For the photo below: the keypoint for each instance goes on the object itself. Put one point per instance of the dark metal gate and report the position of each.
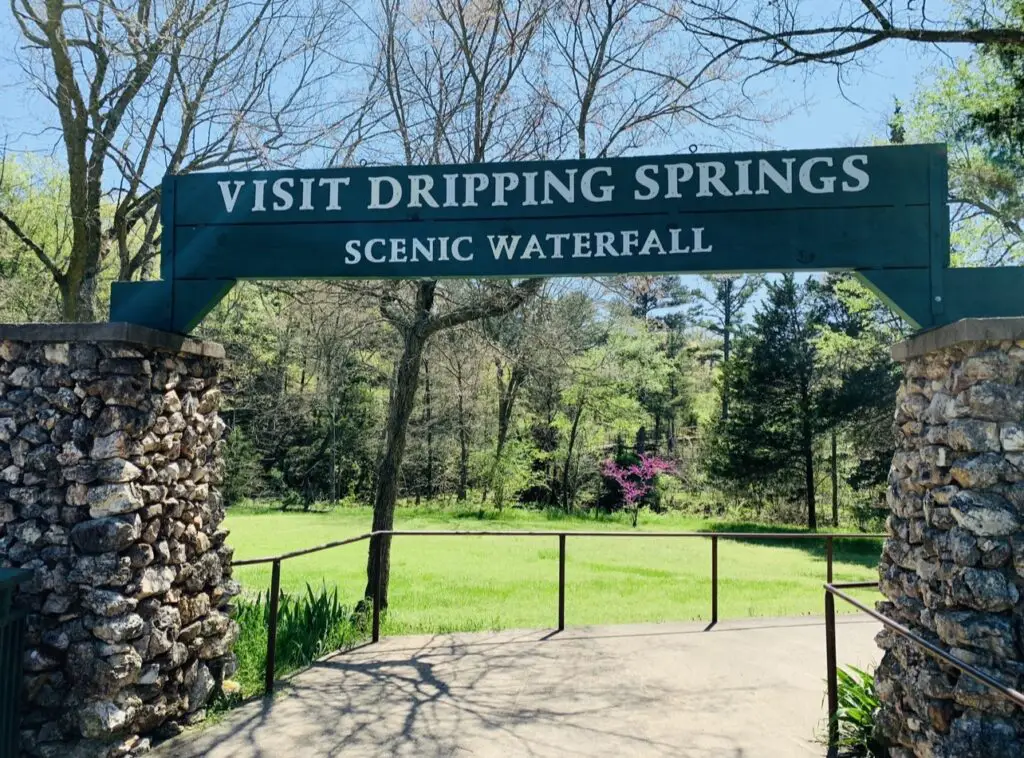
(11, 635)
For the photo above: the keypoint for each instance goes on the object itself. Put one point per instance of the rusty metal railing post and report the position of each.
(828, 559)
(275, 594)
(378, 586)
(561, 582)
(714, 579)
(831, 674)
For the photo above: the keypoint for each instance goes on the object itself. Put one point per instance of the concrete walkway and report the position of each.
(744, 689)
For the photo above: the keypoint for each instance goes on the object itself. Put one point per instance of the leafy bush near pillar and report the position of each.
(858, 706)
(309, 626)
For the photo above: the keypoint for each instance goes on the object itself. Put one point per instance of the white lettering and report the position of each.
(282, 193)
(557, 238)
(352, 254)
(605, 245)
(579, 238)
(450, 194)
(368, 250)
(698, 241)
(533, 246)
(455, 249)
(652, 244)
(674, 180)
(419, 250)
(307, 194)
(675, 231)
(530, 177)
(474, 183)
(711, 174)
(333, 183)
(851, 170)
(828, 183)
(630, 239)
(650, 184)
(744, 175)
(586, 185)
(230, 198)
(419, 189)
(767, 170)
(552, 182)
(398, 250)
(375, 200)
(504, 245)
(505, 182)
(257, 204)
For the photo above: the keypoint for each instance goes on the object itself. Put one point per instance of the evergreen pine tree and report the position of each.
(775, 413)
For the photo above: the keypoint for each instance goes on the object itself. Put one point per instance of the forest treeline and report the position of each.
(524, 408)
(766, 396)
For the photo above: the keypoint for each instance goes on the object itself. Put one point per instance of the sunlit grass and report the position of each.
(445, 584)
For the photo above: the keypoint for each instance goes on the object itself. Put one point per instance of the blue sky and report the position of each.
(823, 113)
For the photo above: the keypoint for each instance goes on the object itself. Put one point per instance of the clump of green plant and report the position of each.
(309, 626)
(858, 706)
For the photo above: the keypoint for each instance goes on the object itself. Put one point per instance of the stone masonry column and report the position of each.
(109, 454)
(952, 568)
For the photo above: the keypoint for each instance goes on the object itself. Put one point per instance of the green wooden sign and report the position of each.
(878, 211)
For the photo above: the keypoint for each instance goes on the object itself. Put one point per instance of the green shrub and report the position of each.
(308, 627)
(858, 705)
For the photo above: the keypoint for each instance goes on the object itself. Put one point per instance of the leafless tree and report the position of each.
(792, 32)
(472, 81)
(623, 75)
(453, 92)
(144, 87)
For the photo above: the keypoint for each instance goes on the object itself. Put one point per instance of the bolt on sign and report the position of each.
(879, 211)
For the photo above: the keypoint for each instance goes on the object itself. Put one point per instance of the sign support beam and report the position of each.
(880, 212)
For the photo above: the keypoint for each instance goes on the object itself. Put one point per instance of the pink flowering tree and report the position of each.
(636, 480)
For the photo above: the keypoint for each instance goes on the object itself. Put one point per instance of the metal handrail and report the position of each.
(275, 561)
(835, 589)
(548, 533)
(306, 551)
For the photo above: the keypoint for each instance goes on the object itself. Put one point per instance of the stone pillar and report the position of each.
(952, 568)
(109, 455)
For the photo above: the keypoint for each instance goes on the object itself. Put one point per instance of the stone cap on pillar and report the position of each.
(111, 332)
(966, 330)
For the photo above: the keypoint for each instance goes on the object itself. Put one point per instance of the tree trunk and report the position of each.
(415, 334)
(463, 438)
(82, 277)
(835, 482)
(726, 349)
(334, 451)
(507, 392)
(428, 422)
(808, 453)
(407, 375)
(568, 455)
(79, 286)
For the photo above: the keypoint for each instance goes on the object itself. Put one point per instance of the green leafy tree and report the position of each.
(603, 402)
(776, 409)
(986, 175)
(858, 383)
(999, 113)
(243, 469)
(33, 194)
(720, 310)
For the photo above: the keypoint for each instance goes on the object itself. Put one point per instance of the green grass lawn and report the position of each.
(443, 584)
